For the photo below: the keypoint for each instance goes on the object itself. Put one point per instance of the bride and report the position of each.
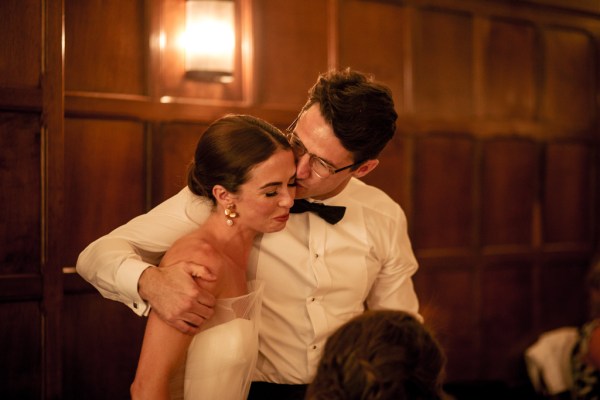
(245, 168)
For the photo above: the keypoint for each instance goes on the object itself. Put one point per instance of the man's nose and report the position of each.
(303, 169)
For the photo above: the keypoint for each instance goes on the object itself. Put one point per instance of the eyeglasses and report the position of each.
(320, 167)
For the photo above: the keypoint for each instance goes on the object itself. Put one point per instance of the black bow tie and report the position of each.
(331, 214)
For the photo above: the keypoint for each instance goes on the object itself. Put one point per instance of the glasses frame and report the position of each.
(297, 143)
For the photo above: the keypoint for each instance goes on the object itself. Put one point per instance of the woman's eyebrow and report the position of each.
(266, 185)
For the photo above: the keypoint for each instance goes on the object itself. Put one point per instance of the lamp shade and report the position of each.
(209, 40)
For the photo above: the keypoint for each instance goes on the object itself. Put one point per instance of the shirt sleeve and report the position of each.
(393, 287)
(114, 263)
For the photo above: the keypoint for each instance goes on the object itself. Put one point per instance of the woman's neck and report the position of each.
(235, 241)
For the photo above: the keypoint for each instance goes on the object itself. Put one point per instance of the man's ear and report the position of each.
(365, 168)
(222, 195)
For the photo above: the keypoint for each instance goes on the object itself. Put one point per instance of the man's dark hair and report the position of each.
(360, 111)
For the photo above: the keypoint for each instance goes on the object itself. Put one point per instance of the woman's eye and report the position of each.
(271, 194)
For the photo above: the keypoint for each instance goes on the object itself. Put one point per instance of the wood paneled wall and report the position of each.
(496, 160)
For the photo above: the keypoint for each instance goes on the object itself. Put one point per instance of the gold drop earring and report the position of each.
(230, 214)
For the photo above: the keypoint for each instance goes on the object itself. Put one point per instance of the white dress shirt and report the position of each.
(317, 275)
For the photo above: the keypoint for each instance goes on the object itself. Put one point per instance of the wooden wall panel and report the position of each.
(509, 190)
(562, 300)
(105, 46)
(101, 344)
(391, 174)
(567, 193)
(20, 196)
(570, 72)
(21, 33)
(373, 39)
(443, 192)
(173, 148)
(505, 288)
(509, 66)
(451, 313)
(21, 353)
(283, 72)
(443, 64)
(104, 179)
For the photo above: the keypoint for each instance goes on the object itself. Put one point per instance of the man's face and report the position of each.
(319, 140)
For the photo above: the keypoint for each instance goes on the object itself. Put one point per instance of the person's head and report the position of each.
(246, 166)
(380, 355)
(344, 125)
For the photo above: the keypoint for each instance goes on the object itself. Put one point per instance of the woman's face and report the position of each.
(263, 203)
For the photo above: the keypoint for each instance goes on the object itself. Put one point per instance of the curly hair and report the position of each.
(380, 355)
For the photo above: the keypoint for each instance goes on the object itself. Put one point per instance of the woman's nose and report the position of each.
(287, 200)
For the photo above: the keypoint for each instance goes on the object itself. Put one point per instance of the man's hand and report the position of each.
(176, 297)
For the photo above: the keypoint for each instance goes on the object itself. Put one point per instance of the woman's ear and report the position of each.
(365, 168)
(222, 195)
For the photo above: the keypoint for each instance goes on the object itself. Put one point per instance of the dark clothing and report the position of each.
(274, 391)
(586, 379)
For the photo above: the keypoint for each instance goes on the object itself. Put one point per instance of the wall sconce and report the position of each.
(209, 40)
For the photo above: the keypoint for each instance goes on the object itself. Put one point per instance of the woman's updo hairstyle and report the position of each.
(227, 151)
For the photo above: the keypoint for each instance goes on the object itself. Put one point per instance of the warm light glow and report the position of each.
(162, 40)
(209, 38)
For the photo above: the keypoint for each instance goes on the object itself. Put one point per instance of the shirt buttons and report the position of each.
(314, 347)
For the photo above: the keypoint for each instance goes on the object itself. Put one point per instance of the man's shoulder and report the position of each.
(189, 205)
(370, 196)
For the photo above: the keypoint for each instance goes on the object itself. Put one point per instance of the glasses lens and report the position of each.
(320, 167)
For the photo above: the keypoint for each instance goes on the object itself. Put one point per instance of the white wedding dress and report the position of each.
(221, 358)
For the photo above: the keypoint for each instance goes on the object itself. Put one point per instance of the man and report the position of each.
(318, 274)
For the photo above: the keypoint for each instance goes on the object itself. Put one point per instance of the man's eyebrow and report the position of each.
(316, 155)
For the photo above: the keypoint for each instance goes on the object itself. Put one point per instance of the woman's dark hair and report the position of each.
(360, 111)
(227, 151)
(380, 355)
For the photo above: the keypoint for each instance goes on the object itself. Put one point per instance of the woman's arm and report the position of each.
(164, 347)
(163, 352)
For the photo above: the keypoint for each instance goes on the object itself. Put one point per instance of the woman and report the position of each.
(380, 355)
(246, 169)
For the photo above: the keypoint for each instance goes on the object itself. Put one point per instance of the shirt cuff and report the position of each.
(127, 279)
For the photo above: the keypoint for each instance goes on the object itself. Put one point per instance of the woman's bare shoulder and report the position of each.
(194, 247)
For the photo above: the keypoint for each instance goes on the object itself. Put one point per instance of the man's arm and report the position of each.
(121, 264)
(393, 288)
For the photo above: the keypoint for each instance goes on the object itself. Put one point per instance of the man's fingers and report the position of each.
(184, 327)
(191, 322)
(204, 311)
(200, 271)
(205, 303)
